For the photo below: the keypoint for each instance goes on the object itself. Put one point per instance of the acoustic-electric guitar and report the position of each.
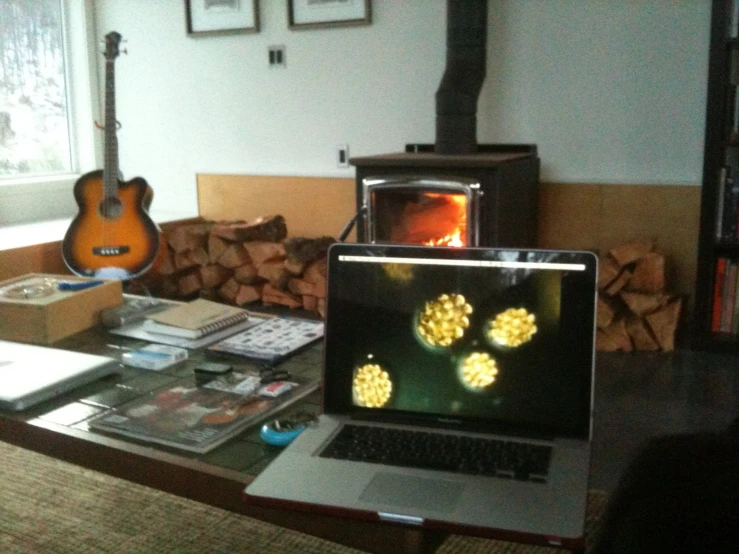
(112, 236)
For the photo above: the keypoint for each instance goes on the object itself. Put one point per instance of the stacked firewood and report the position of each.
(243, 262)
(635, 311)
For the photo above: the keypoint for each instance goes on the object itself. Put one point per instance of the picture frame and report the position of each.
(316, 14)
(221, 17)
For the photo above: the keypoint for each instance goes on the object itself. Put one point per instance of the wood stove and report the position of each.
(488, 198)
(454, 191)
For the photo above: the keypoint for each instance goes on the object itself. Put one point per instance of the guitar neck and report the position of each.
(110, 166)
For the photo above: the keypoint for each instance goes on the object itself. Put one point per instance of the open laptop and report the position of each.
(471, 344)
(31, 374)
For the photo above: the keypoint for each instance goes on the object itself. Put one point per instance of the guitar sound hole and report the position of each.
(110, 208)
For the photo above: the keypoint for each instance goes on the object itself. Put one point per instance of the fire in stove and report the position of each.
(422, 211)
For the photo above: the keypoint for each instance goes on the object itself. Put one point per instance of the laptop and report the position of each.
(434, 353)
(30, 374)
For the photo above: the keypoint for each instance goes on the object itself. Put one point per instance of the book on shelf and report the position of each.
(727, 307)
(727, 214)
(195, 319)
(718, 292)
(198, 417)
(271, 340)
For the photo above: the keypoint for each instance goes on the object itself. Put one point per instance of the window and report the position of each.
(47, 51)
(34, 127)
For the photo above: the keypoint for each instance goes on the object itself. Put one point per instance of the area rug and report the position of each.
(49, 506)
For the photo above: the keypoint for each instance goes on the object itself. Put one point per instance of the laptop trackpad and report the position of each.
(412, 492)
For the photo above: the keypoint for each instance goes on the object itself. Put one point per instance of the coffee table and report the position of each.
(59, 428)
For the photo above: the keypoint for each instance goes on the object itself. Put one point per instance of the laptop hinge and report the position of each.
(400, 518)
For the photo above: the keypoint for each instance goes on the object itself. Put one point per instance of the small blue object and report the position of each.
(77, 285)
(282, 437)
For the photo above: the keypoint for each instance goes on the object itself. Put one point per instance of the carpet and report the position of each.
(50, 506)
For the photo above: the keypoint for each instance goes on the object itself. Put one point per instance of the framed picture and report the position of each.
(313, 14)
(221, 17)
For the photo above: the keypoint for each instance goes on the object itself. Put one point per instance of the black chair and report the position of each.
(679, 495)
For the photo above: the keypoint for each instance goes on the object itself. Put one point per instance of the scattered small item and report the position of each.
(154, 356)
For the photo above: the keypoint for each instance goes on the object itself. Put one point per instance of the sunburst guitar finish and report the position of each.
(112, 235)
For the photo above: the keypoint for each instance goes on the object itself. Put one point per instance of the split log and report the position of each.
(649, 273)
(166, 264)
(189, 283)
(640, 335)
(199, 255)
(235, 255)
(605, 313)
(247, 294)
(216, 247)
(301, 250)
(274, 271)
(664, 323)
(261, 252)
(619, 283)
(310, 303)
(631, 251)
(229, 289)
(300, 287)
(268, 228)
(189, 236)
(608, 270)
(182, 260)
(642, 304)
(614, 337)
(273, 295)
(213, 275)
(247, 274)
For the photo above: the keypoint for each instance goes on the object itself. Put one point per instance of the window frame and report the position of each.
(19, 196)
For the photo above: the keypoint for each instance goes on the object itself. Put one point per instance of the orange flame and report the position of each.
(455, 237)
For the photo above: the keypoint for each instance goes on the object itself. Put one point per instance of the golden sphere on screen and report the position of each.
(372, 386)
(398, 272)
(444, 320)
(478, 370)
(513, 327)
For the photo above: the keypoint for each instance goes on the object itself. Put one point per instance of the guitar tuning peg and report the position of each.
(124, 51)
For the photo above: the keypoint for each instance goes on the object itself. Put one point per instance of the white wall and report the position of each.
(610, 91)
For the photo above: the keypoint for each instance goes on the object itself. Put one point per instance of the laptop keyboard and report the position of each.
(436, 451)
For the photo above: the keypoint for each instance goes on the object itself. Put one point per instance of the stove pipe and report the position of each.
(456, 97)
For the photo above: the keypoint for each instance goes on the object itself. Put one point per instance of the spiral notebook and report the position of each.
(195, 319)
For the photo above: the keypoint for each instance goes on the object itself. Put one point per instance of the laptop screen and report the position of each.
(472, 338)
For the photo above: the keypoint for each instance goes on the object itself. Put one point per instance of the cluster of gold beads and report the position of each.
(372, 386)
(512, 327)
(402, 273)
(478, 370)
(444, 320)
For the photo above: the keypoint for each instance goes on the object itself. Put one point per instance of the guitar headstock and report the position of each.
(112, 42)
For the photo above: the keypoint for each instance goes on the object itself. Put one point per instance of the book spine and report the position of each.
(727, 310)
(720, 203)
(718, 291)
(735, 316)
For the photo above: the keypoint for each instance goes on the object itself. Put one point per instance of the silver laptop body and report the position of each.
(428, 321)
(30, 374)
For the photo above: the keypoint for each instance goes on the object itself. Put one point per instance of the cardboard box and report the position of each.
(33, 309)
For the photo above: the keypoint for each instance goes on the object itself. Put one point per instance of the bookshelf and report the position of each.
(717, 281)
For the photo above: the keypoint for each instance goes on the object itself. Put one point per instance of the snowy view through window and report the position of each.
(34, 132)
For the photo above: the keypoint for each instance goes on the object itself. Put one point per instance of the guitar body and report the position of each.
(111, 236)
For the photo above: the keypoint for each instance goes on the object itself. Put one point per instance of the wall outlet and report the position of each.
(276, 55)
(342, 155)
